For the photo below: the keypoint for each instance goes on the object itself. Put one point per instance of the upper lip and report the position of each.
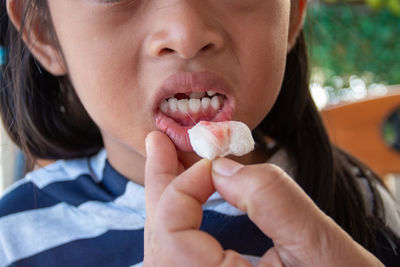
(186, 82)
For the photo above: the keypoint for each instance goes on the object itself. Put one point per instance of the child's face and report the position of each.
(118, 54)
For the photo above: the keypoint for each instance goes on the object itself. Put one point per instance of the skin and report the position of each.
(272, 200)
(247, 44)
(116, 55)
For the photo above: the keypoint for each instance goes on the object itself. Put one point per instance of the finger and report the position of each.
(273, 201)
(181, 203)
(270, 259)
(302, 233)
(197, 248)
(178, 219)
(161, 167)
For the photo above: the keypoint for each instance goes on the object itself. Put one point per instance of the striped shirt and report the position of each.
(84, 213)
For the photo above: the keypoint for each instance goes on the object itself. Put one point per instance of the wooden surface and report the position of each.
(357, 128)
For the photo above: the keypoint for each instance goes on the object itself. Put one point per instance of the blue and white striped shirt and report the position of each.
(84, 213)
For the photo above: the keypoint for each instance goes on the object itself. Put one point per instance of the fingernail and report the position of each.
(225, 166)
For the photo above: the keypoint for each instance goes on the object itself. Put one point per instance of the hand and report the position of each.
(303, 235)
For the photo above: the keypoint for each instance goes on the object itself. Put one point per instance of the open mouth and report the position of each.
(186, 98)
(180, 112)
(187, 109)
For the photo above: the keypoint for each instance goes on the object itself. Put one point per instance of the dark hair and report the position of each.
(44, 117)
(41, 113)
(326, 173)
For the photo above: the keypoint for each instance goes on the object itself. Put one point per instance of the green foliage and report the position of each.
(392, 5)
(353, 39)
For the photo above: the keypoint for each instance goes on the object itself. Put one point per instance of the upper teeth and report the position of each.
(211, 93)
(196, 103)
(200, 95)
(197, 95)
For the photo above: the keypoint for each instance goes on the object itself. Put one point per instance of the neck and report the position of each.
(126, 161)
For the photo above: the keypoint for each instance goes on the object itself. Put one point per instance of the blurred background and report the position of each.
(354, 49)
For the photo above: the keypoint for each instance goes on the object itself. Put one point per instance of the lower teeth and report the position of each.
(192, 105)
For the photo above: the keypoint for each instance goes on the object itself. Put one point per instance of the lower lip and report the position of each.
(179, 134)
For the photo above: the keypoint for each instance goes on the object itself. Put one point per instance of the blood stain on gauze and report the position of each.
(219, 139)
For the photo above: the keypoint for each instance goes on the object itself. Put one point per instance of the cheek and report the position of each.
(100, 87)
(108, 88)
(100, 69)
(263, 58)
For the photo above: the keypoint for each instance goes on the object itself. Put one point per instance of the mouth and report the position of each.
(187, 98)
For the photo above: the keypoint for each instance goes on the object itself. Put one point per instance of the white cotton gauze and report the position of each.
(218, 139)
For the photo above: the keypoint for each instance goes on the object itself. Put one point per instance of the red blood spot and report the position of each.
(219, 134)
(216, 129)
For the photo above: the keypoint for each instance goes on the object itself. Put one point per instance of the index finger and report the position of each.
(162, 166)
(178, 219)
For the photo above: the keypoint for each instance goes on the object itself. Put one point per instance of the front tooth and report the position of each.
(215, 103)
(194, 105)
(164, 106)
(173, 104)
(211, 93)
(183, 105)
(197, 95)
(205, 103)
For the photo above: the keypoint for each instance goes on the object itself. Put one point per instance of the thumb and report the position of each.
(161, 167)
(270, 259)
(272, 200)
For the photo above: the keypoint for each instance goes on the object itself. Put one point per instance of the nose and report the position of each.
(183, 29)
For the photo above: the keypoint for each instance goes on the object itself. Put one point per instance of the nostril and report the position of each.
(166, 51)
(208, 47)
